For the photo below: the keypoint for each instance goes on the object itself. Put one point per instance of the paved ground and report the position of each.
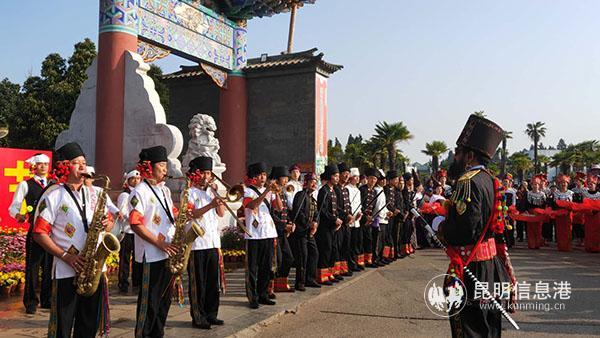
(383, 302)
(389, 302)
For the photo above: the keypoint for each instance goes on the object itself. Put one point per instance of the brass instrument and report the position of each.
(290, 189)
(183, 239)
(88, 279)
(234, 194)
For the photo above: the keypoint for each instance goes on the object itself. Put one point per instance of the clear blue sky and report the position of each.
(426, 63)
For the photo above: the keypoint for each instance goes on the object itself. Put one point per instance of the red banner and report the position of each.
(13, 170)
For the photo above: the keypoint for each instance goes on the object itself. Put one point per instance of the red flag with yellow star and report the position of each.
(13, 170)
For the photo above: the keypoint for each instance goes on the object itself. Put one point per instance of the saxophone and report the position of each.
(177, 263)
(88, 279)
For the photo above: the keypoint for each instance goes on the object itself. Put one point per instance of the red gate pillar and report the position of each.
(233, 110)
(117, 34)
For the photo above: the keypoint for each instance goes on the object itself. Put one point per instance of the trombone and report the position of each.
(234, 194)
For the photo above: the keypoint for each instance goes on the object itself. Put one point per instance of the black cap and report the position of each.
(407, 176)
(201, 163)
(256, 169)
(342, 166)
(391, 174)
(371, 172)
(154, 154)
(69, 151)
(323, 176)
(330, 170)
(481, 135)
(279, 171)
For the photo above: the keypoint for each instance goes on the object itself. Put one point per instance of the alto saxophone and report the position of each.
(88, 279)
(177, 263)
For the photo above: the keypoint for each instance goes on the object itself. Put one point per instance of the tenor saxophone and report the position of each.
(88, 279)
(183, 239)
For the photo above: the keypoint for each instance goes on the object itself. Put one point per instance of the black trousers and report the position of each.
(125, 255)
(335, 246)
(548, 231)
(285, 256)
(521, 229)
(37, 258)
(306, 255)
(396, 233)
(72, 314)
(367, 238)
(203, 284)
(376, 241)
(324, 238)
(345, 253)
(356, 245)
(259, 269)
(154, 299)
(407, 230)
(473, 321)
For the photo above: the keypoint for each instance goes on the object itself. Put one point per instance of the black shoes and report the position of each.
(312, 285)
(204, 324)
(338, 277)
(253, 305)
(326, 283)
(215, 321)
(300, 288)
(272, 296)
(266, 301)
(30, 310)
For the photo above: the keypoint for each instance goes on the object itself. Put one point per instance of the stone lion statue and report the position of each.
(202, 140)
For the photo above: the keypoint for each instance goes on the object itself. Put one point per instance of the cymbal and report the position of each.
(3, 132)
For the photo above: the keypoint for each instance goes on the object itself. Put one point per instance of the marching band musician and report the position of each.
(285, 227)
(61, 228)
(302, 240)
(368, 195)
(152, 220)
(261, 243)
(204, 267)
(132, 179)
(356, 261)
(342, 236)
(329, 223)
(36, 258)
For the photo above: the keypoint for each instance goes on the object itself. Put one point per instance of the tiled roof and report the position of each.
(275, 61)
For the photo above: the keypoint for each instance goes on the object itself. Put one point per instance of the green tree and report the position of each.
(45, 103)
(562, 145)
(504, 155)
(9, 101)
(435, 149)
(536, 131)
(387, 136)
(162, 89)
(335, 153)
(520, 164)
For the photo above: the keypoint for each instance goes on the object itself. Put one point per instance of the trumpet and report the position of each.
(234, 194)
(290, 189)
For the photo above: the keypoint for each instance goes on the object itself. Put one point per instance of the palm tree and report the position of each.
(435, 149)
(536, 131)
(388, 136)
(507, 135)
(519, 163)
(545, 160)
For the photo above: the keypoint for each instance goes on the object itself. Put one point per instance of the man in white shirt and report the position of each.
(355, 230)
(204, 269)
(132, 179)
(63, 218)
(295, 182)
(36, 258)
(152, 220)
(260, 244)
